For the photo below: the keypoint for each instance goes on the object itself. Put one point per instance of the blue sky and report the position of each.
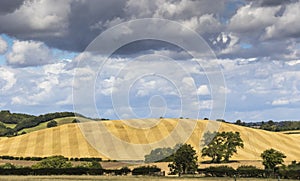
(47, 64)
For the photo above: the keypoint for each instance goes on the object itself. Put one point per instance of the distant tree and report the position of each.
(206, 119)
(223, 146)
(75, 121)
(271, 158)
(53, 162)
(51, 123)
(125, 170)
(158, 154)
(185, 160)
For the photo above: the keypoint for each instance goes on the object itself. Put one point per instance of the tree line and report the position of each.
(220, 147)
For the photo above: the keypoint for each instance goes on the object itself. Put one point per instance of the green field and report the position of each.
(9, 125)
(60, 121)
(126, 178)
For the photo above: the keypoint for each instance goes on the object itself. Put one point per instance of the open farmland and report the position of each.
(69, 141)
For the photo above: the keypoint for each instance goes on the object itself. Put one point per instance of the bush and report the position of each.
(146, 170)
(291, 171)
(249, 171)
(221, 171)
(75, 121)
(51, 124)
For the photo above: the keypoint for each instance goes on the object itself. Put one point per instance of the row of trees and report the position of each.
(220, 147)
(185, 161)
(272, 125)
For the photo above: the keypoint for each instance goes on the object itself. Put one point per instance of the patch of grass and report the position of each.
(60, 121)
(9, 125)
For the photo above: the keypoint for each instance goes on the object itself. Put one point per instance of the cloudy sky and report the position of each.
(48, 61)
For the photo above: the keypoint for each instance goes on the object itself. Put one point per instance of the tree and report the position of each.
(185, 160)
(51, 124)
(75, 121)
(53, 162)
(158, 154)
(271, 158)
(223, 146)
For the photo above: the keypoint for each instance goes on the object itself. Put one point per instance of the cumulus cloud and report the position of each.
(29, 53)
(37, 18)
(286, 25)
(252, 19)
(7, 79)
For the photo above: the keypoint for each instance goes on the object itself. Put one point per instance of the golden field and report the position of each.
(70, 140)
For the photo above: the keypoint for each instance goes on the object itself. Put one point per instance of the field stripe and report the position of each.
(30, 144)
(5, 146)
(39, 146)
(56, 141)
(20, 146)
(73, 142)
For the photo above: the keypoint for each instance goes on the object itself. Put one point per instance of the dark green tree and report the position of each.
(185, 160)
(223, 146)
(271, 158)
(51, 124)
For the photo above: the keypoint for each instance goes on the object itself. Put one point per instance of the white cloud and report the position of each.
(251, 19)
(203, 90)
(203, 24)
(3, 45)
(280, 102)
(7, 79)
(29, 53)
(287, 24)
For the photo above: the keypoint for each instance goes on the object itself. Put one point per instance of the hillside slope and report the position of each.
(70, 140)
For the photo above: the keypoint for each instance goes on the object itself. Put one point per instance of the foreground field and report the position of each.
(68, 139)
(125, 178)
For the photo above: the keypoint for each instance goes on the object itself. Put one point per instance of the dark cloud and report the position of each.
(73, 25)
(271, 2)
(72, 29)
(8, 6)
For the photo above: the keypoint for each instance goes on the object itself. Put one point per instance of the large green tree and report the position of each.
(185, 160)
(271, 158)
(223, 146)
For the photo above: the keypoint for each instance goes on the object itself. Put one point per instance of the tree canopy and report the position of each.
(271, 158)
(185, 160)
(223, 146)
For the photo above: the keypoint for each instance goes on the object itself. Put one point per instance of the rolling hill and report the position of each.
(76, 140)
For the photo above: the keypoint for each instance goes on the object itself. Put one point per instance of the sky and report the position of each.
(235, 59)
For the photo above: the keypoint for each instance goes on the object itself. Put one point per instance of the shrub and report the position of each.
(51, 124)
(249, 171)
(221, 171)
(146, 170)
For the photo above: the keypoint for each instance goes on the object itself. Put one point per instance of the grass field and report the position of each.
(123, 178)
(9, 125)
(60, 121)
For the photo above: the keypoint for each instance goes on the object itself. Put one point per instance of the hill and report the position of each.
(12, 124)
(70, 140)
